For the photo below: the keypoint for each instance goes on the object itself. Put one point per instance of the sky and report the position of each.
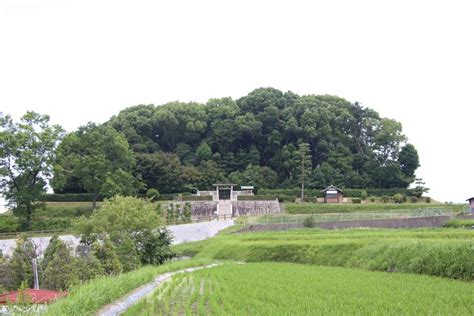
(413, 61)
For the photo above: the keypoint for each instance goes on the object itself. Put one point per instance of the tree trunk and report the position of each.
(94, 200)
(29, 212)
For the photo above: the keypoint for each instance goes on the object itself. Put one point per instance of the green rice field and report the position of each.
(294, 289)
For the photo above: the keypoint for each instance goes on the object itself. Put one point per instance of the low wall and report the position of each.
(432, 221)
(251, 208)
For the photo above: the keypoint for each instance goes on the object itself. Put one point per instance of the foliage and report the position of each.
(9, 223)
(179, 212)
(356, 201)
(95, 159)
(197, 198)
(20, 263)
(304, 165)
(398, 198)
(59, 267)
(293, 289)
(308, 208)
(363, 195)
(88, 298)
(256, 198)
(70, 197)
(125, 231)
(153, 194)
(428, 199)
(195, 144)
(420, 188)
(308, 222)
(460, 223)
(26, 159)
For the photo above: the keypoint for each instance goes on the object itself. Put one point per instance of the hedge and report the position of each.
(356, 193)
(70, 197)
(197, 198)
(256, 198)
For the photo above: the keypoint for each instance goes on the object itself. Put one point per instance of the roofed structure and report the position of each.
(332, 194)
(31, 296)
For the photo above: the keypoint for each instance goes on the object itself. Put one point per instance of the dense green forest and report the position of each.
(254, 140)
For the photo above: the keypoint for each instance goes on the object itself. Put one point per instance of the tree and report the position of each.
(60, 270)
(98, 157)
(304, 165)
(26, 159)
(119, 223)
(409, 161)
(21, 264)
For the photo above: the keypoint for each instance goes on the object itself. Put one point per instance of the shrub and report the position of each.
(428, 199)
(308, 222)
(363, 195)
(385, 199)
(153, 194)
(413, 199)
(356, 201)
(70, 197)
(372, 199)
(256, 198)
(397, 198)
(9, 224)
(459, 223)
(197, 198)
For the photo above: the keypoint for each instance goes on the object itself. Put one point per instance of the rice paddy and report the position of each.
(294, 289)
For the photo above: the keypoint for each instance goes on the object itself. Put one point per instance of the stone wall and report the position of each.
(252, 208)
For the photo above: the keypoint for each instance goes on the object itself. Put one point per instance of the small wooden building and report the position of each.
(332, 194)
(471, 204)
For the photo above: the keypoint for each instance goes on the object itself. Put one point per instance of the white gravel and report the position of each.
(181, 234)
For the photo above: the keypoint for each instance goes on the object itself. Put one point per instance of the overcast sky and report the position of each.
(413, 61)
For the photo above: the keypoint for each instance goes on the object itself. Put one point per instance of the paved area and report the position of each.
(181, 233)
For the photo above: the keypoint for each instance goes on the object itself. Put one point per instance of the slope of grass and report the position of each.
(308, 208)
(86, 299)
(439, 252)
(292, 289)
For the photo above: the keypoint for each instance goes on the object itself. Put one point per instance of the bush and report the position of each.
(256, 198)
(384, 199)
(356, 201)
(153, 194)
(9, 224)
(308, 222)
(372, 199)
(397, 198)
(363, 195)
(459, 223)
(197, 198)
(428, 199)
(70, 197)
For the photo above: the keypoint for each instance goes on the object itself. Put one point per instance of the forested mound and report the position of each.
(254, 140)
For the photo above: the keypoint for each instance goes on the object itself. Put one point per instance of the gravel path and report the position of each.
(181, 234)
(132, 298)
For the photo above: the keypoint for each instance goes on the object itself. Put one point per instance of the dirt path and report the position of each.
(121, 305)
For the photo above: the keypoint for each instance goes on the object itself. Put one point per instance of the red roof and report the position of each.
(33, 296)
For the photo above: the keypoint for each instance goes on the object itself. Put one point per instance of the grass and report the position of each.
(87, 298)
(345, 216)
(293, 289)
(314, 208)
(439, 252)
(460, 223)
